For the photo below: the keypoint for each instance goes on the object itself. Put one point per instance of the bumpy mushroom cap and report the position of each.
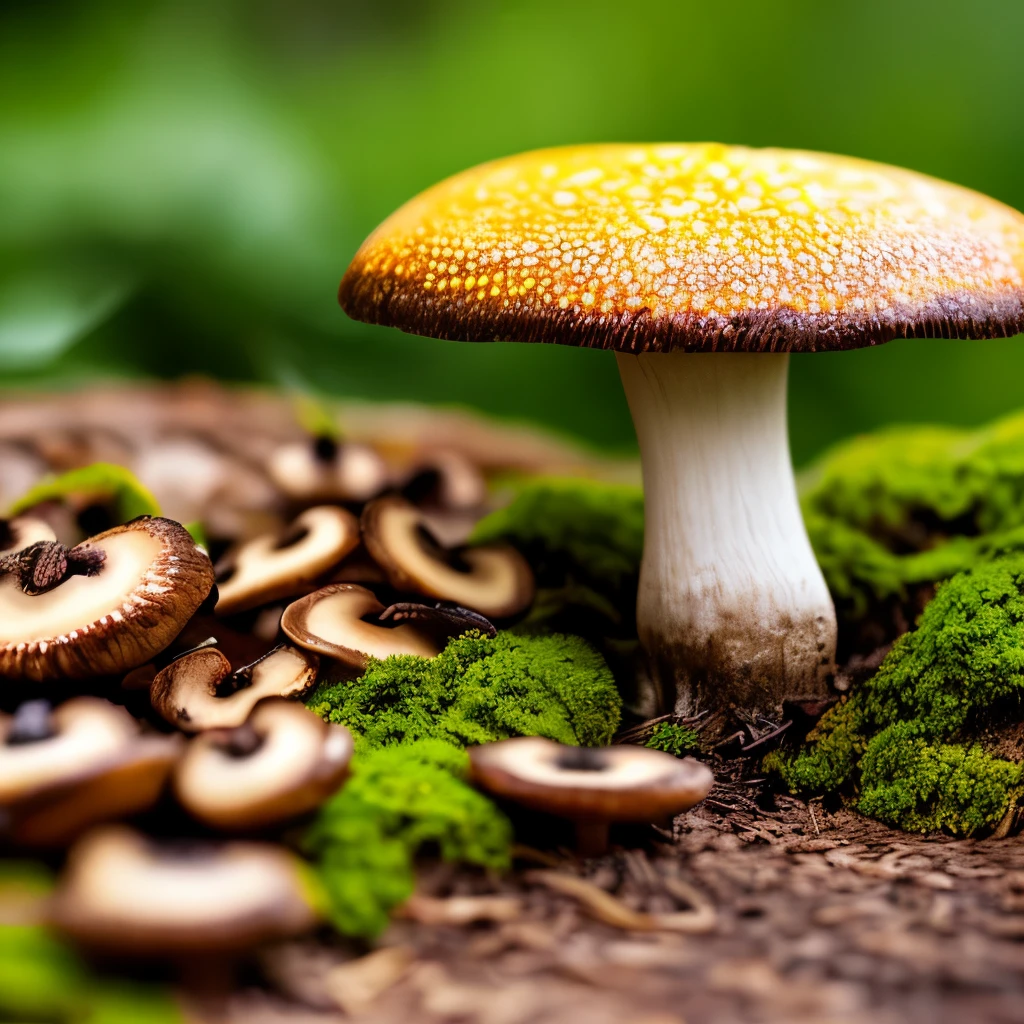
(103, 607)
(122, 894)
(493, 579)
(331, 622)
(271, 566)
(22, 532)
(326, 470)
(590, 785)
(284, 762)
(199, 691)
(83, 763)
(702, 247)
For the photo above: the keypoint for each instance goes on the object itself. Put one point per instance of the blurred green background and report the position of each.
(182, 184)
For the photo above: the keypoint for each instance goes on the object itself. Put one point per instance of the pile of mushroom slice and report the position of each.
(375, 586)
(244, 760)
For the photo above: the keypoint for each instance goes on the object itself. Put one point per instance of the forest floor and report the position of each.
(793, 915)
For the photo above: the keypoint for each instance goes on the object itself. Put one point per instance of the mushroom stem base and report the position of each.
(733, 612)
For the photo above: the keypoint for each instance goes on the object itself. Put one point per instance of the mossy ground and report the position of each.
(905, 746)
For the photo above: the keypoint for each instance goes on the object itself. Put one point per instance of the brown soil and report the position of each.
(793, 916)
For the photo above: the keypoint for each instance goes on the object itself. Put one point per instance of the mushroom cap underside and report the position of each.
(121, 893)
(700, 247)
(298, 761)
(190, 692)
(331, 622)
(619, 783)
(151, 580)
(492, 579)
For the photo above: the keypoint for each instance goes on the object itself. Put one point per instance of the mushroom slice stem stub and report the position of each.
(492, 579)
(284, 762)
(332, 622)
(732, 608)
(275, 566)
(103, 607)
(199, 691)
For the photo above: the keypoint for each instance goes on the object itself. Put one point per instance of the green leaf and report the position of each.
(45, 311)
(102, 480)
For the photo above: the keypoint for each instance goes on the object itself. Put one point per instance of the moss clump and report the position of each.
(910, 506)
(908, 745)
(41, 979)
(412, 718)
(398, 800)
(584, 540)
(673, 739)
(480, 689)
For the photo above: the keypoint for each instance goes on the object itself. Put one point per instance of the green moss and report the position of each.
(102, 481)
(399, 800)
(594, 530)
(41, 979)
(673, 739)
(480, 689)
(909, 506)
(412, 718)
(906, 746)
(584, 540)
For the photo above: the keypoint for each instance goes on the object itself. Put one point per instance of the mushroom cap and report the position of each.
(621, 783)
(330, 622)
(151, 580)
(23, 531)
(352, 472)
(296, 762)
(703, 247)
(120, 893)
(187, 692)
(94, 766)
(493, 579)
(267, 567)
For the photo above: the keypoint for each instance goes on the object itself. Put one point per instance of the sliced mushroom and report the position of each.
(493, 579)
(275, 566)
(284, 762)
(591, 786)
(83, 763)
(331, 622)
(325, 470)
(199, 691)
(22, 532)
(121, 893)
(103, 607)
(446, 479)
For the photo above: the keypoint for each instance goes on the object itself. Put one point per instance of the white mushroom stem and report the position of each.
(732, 610)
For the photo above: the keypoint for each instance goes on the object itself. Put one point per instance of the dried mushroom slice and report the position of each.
(591, 786)
(445, 479)
(332, 622)
(64, 770)
(273, 566)
(284, 762)
(324, 469)
(103, 607)
(122, 893)
(199, 691)
(493, 579)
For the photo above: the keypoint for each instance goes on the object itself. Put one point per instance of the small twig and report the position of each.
(814, 820)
